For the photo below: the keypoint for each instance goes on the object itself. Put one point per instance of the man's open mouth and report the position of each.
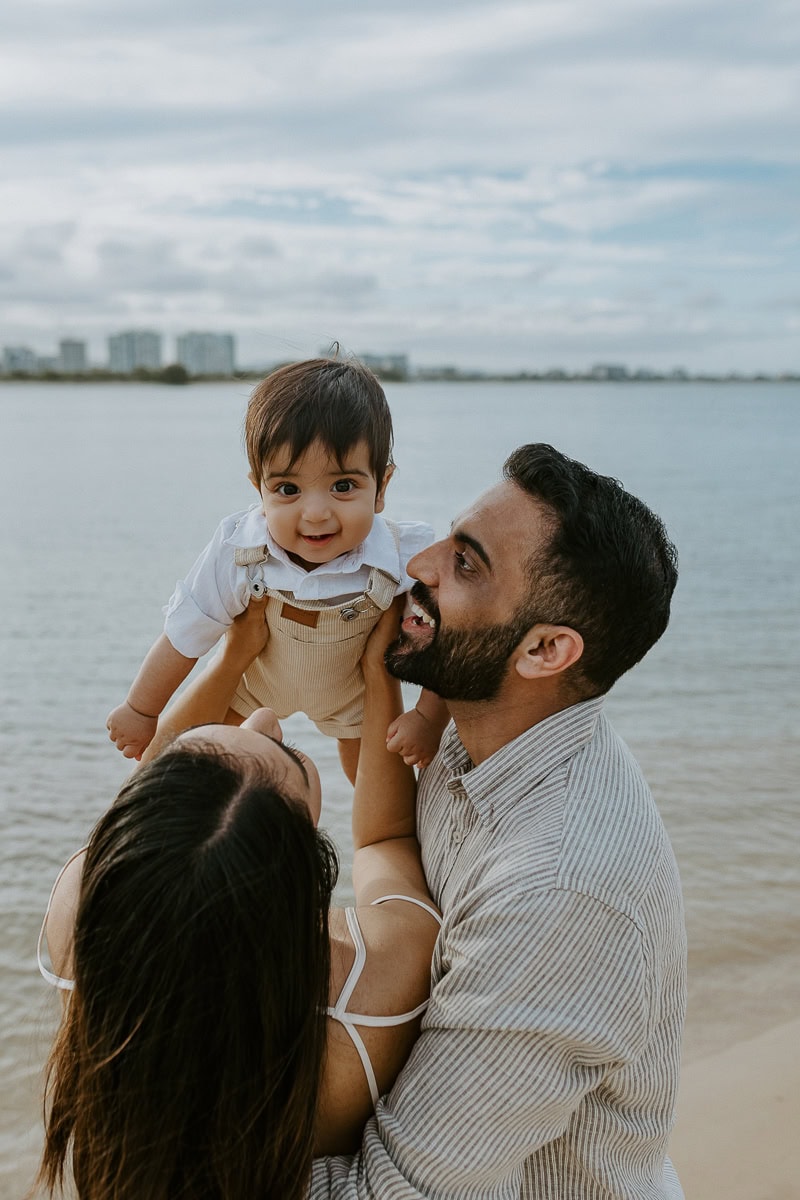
(419, 625)
(420, 617)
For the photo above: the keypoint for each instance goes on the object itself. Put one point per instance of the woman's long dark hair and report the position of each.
(189, 1058)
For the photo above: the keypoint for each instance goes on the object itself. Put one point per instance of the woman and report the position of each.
(209, 1044)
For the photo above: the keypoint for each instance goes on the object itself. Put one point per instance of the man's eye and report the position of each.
(461, 561)
(287, 489)
(343, 485)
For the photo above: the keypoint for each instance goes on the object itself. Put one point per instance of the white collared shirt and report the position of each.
(215, 591)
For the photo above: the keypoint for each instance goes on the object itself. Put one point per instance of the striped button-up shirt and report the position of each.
(548, 1061)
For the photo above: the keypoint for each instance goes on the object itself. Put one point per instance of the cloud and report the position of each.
(540, 179)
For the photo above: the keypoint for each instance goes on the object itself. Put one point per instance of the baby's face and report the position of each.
(317, 510)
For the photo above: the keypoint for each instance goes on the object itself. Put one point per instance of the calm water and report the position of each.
(109, 491)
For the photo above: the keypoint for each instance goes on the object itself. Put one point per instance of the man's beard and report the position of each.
(462, 664)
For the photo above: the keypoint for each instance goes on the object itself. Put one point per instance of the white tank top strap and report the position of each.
(66, 985)
(437, 916)
(339, 1008)
(349, 1020)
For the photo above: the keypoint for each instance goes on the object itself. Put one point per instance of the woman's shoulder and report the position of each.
(59, 921)
(380, 967)
(398, 935)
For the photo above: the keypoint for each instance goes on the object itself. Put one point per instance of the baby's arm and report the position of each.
(132, 724)
(207, 699)
(415, 735)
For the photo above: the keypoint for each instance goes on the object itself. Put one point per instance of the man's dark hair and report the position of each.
(608, 570)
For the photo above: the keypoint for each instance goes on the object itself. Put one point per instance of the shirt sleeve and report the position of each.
(413, 536)
(540, 996)
(205, 603)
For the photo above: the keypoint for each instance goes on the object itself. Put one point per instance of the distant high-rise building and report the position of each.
(72, 356)
(132, 349)
(206, 353)
(21, 359)
(395, 365)
(609, 371)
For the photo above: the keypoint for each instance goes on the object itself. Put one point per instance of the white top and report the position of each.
(349, 1020)
(66, 985)
(215, 591)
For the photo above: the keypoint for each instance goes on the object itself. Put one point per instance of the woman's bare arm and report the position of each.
(207, 699)
(386, 857)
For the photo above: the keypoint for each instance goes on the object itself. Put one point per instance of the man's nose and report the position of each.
(424, 566)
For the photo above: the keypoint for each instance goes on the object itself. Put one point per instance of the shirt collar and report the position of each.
(498, 784)
(378, 549)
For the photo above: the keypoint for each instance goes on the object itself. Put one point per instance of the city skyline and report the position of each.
(200, 352)
(210, 354)
(515, 187)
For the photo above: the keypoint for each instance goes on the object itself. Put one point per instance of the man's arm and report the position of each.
(540, 994)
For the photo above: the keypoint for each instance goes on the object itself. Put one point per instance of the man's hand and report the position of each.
(414, 738)
(130, 731)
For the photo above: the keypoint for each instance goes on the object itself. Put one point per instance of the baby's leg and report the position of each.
(348, 756)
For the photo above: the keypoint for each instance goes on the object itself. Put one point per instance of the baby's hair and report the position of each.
(320, 400)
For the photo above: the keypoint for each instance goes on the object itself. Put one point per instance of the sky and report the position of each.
(496, 185)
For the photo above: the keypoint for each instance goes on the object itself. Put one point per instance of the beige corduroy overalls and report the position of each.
(312, 661)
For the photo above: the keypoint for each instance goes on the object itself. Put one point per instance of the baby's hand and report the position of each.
(414, 738)
(130, 731)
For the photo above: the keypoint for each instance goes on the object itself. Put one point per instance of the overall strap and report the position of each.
(380, 589)
(252, 557)
(246, 556)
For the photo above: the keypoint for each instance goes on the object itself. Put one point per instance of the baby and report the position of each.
(319, 441)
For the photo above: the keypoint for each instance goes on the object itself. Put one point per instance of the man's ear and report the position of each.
(380, 497)
(547, 650)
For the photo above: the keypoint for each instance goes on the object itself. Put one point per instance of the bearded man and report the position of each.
(548, 1061)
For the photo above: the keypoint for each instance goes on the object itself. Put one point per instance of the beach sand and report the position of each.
(738, 1126)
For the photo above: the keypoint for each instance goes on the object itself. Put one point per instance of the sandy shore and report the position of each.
(736, 1136)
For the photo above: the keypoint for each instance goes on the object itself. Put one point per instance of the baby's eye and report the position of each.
(344, 485)
(287, 489)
